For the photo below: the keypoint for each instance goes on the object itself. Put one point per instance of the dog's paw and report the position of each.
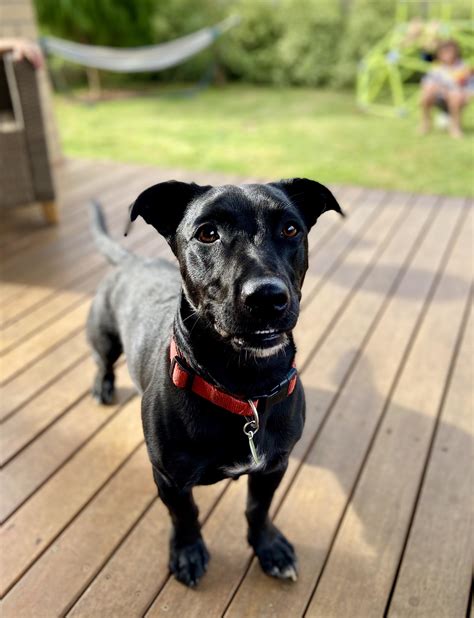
(103, 391)
(277, 556)
(188, 564)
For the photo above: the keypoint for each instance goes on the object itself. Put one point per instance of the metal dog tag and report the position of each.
(253, 450)
(250, 429)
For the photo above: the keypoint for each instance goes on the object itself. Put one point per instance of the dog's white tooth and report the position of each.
(289, 573)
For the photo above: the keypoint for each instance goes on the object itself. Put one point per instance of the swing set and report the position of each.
(404, 54)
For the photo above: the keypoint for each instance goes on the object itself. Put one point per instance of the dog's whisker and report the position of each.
(191, 315)
(194, 325)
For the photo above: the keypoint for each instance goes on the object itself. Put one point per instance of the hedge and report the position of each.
(297, 42)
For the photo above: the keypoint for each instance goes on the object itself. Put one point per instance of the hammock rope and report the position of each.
(138, 59)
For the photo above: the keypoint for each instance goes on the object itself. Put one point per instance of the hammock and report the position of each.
(138, 59)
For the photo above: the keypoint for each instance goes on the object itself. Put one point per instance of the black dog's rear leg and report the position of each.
(276, 554)
(188, 554)
(107, 348)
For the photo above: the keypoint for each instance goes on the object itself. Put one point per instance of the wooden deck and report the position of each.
(378, 495)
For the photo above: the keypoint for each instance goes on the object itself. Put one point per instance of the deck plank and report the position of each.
(26, 226)
(25, 354)
(36, 252)
(362, 563)
(344, 280)
(44, 456)
(50, 585)
(41, 411)
(73, 234)
(59, 302)
(42, 374)
(37, 523)
(116, 590)
(40, 281)
(436, 570)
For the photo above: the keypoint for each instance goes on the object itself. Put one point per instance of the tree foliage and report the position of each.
(301, 42)
(120, 23)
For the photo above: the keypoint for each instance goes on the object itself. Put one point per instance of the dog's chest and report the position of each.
(245, 467)
(238, 462)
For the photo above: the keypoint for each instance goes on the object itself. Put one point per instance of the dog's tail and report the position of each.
(108, 247)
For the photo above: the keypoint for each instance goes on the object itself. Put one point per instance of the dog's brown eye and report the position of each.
(290, 230)
(207, 234)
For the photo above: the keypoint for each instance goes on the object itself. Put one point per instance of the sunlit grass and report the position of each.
(270, 133)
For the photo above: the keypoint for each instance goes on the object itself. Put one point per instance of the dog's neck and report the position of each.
(216, 360)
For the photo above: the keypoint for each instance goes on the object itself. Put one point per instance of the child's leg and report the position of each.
(456, 100)
(429, 92)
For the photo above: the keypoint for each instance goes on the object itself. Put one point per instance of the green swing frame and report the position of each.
(392, 63)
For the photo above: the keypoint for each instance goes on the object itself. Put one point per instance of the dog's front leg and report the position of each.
(188, 553)
(276, 554)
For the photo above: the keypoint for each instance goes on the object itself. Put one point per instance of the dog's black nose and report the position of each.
(265, 297)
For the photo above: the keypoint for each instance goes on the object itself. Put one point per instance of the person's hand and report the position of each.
(23, 48)
(30, 51)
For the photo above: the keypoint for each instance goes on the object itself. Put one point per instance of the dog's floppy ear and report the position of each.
(310, 197)
(163, 205)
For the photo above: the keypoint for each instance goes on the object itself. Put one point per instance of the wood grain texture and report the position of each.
(35, 525)
(117, 590)
(364, 557)
(437, 565)
(72, 561)
(45, 455)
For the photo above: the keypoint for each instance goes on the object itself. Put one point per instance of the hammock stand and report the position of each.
(150, 58)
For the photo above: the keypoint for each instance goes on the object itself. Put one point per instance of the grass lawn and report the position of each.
(271, 133)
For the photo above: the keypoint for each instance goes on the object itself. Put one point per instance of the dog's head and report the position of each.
(242, 251)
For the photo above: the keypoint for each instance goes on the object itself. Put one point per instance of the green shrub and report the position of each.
(283, 41)
(249, 51)
(121, 23)
(176, 18)
(308, 49)
(366, 23)
(287, 42)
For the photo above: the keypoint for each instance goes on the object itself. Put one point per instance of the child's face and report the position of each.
(448, 55)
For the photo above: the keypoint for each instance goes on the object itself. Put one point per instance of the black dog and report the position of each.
(213, 353)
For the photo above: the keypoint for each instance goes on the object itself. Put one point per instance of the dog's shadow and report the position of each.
(393, 434)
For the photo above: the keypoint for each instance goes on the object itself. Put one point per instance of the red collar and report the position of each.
(183, 376)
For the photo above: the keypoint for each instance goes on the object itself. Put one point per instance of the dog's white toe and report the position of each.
(289, 573)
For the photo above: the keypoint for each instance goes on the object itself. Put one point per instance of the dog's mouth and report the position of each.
(259, 339)
(267, 339)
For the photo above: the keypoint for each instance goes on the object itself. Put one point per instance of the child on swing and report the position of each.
(451, 83)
